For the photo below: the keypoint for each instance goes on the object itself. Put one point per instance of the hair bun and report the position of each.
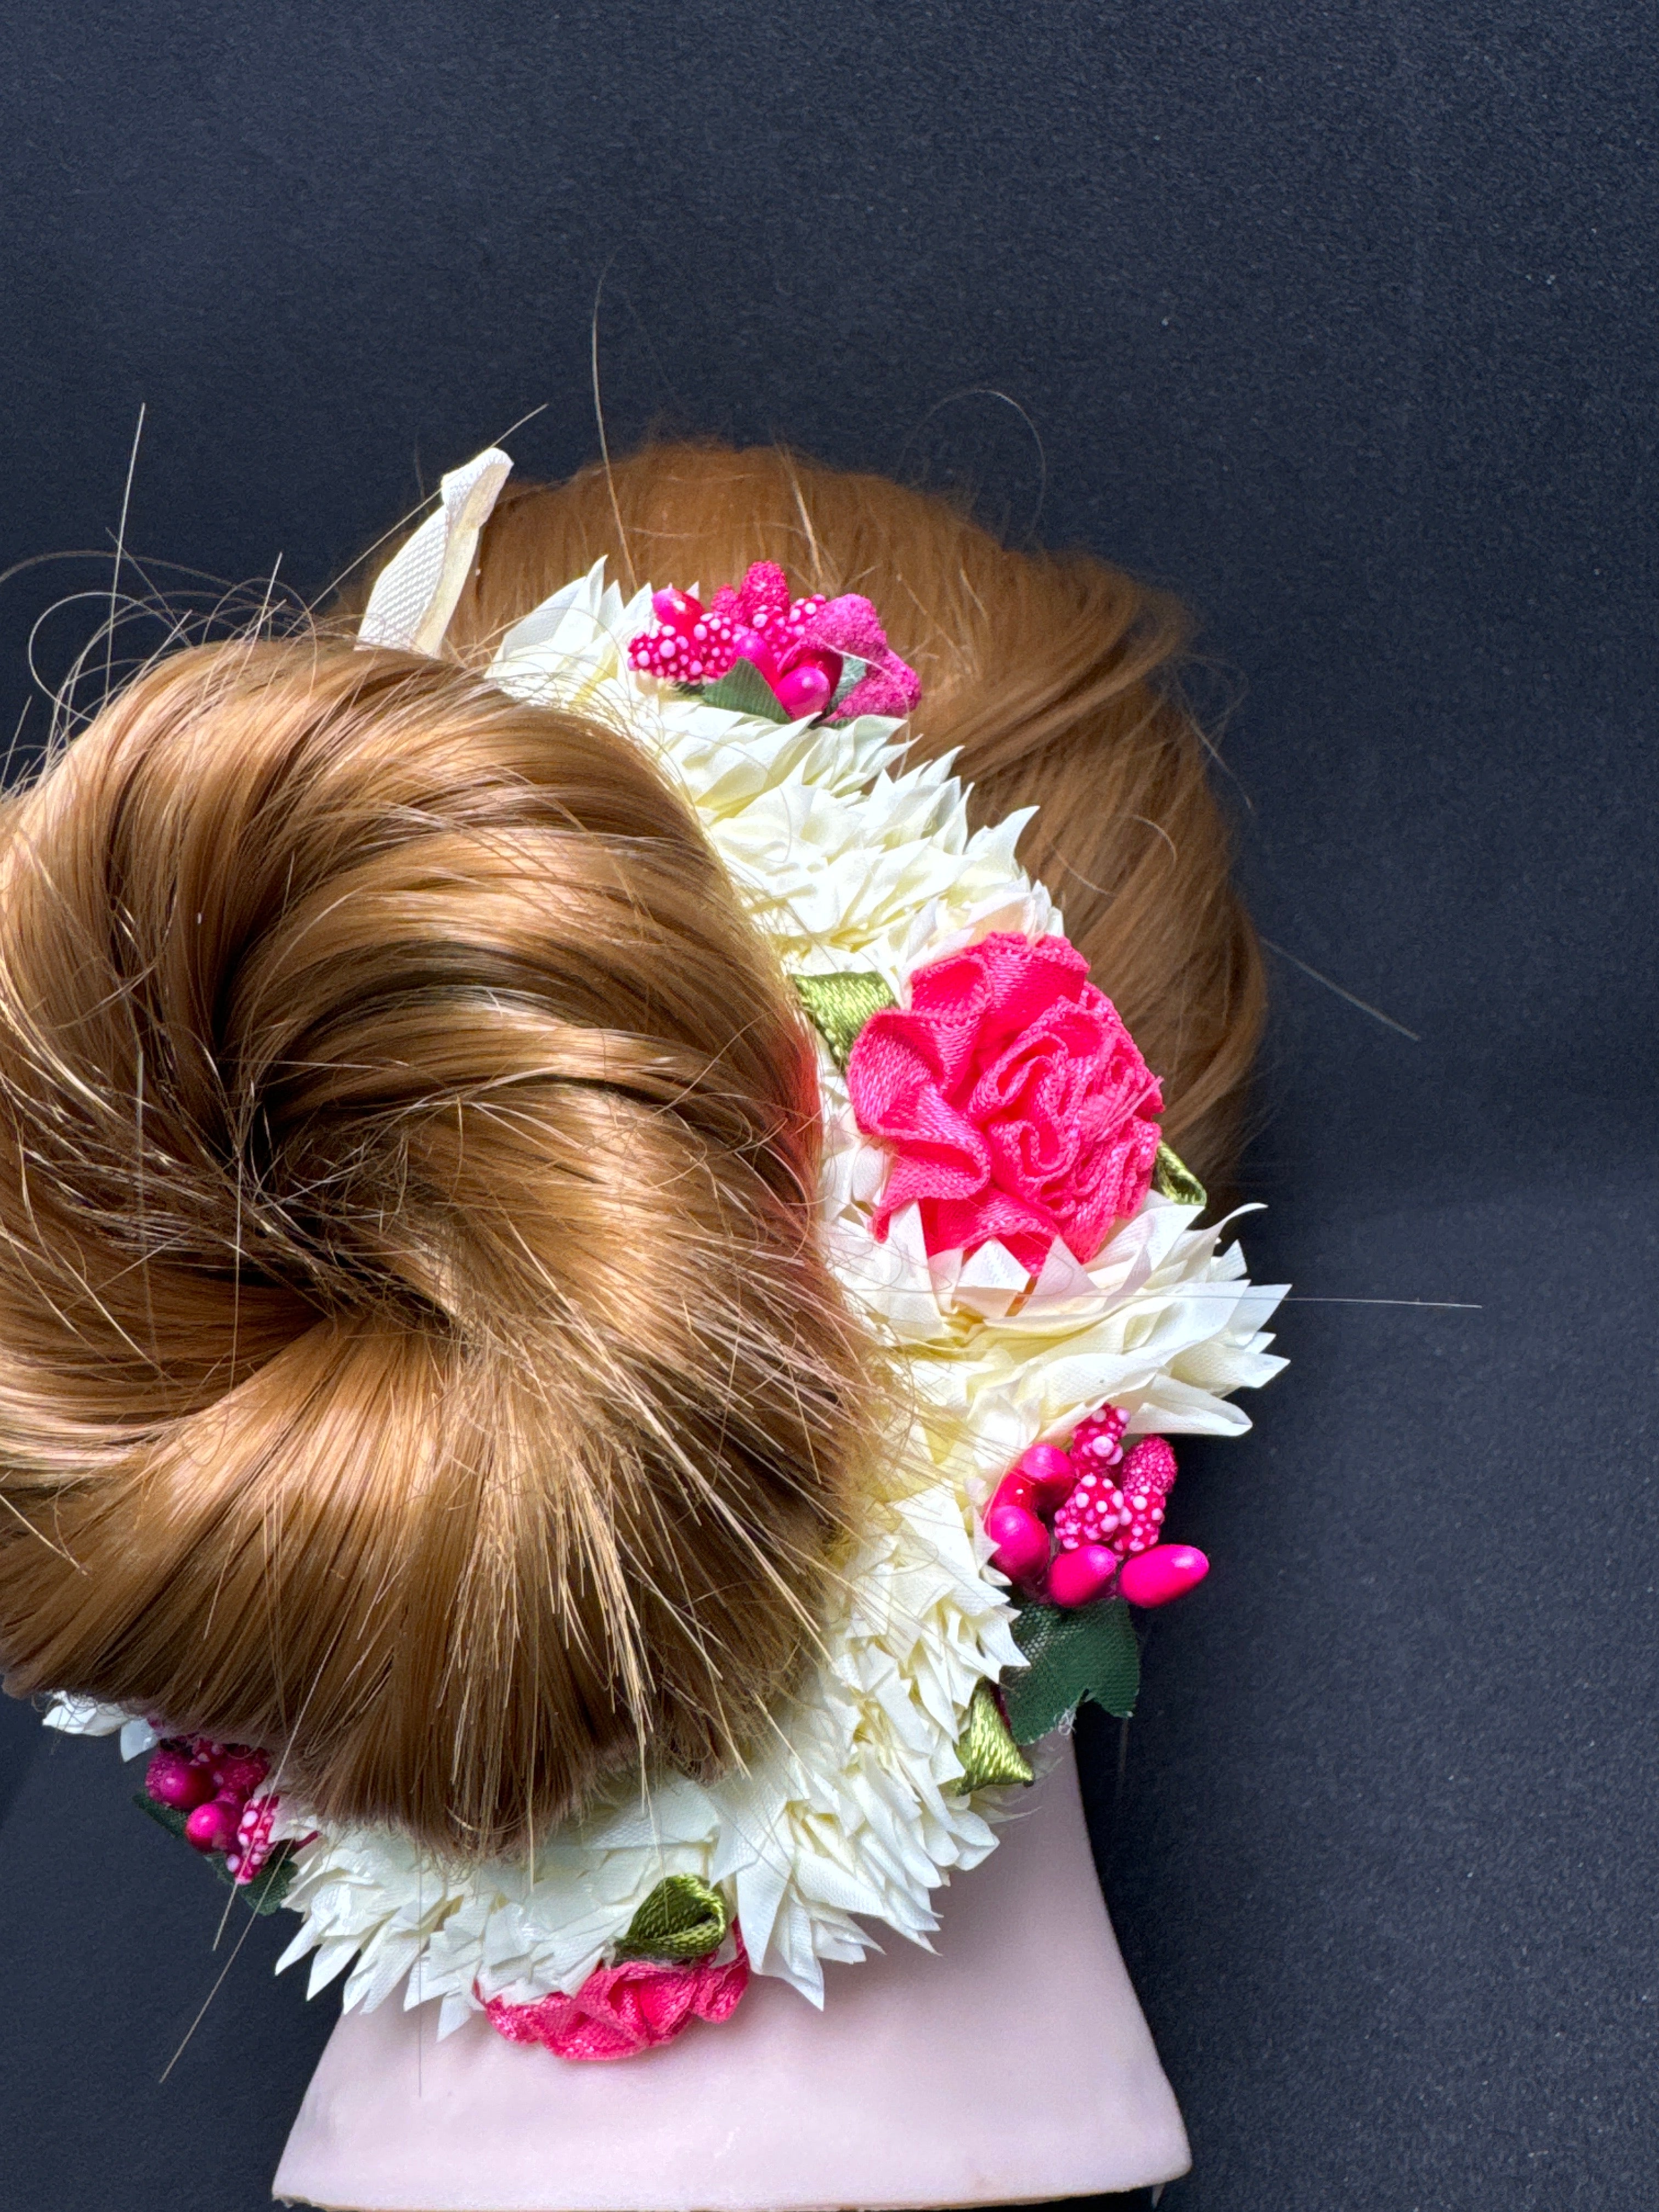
(416, 1357)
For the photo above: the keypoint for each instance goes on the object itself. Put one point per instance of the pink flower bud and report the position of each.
(749, 645)
(1080, 1577)
(805, 690)
(1015, 1489)
(1168, 1570)
(212, 1827)
(675, 610)
(171, 1779)
(1021, 1541)
(1051, 1472)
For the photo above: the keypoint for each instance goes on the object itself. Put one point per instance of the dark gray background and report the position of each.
(1341, 319)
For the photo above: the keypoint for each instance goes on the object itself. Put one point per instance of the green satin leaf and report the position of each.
(1173, 1178)
(683, 1917)
(853, 673)
(744, 690)
(268, 1888)
(1086, 1651)
(840, 1005)
(988, 1753)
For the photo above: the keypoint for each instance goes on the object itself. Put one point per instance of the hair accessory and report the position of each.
(1012, 1099)
(1103, 1509)
(621, 2010)
(995, 1198)
(211, 1795)
(811, 656)
(416, 593)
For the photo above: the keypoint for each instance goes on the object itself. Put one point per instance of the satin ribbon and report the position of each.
(1173, 1178)
(840, 1005)
(986, 1747)
(621, 2010)
(683, 1917)
(415, 594)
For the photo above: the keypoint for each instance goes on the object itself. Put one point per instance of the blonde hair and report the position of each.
(416, 1355)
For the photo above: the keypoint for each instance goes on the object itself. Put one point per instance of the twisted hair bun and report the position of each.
(414, 1355)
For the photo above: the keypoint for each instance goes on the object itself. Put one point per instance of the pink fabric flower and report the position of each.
(851, 625)
(1013, 1098)
(621, 2010)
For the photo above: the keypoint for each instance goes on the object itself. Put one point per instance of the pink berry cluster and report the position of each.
(758, 621)
(215, 1786)
(1119, 1498)
(1068, 1523)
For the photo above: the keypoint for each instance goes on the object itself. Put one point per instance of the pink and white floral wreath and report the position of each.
(996, 1197)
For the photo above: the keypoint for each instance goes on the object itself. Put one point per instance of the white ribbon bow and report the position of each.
(415, 595)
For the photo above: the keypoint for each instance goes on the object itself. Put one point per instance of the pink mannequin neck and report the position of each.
(1012, 2063)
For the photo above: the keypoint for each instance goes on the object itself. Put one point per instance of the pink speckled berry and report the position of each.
(251, 1846)
(1098, 1441)
(1119, 1499)
(1147, 1475)
(1094, 1512)
(764, 596)
(687, 644)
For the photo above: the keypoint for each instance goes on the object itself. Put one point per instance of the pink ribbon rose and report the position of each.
(621, 2010)
(1014, 1101)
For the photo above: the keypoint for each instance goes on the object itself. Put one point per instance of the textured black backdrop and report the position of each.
(1340, 318)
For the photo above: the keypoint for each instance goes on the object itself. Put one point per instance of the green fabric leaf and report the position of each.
(853, 673)
(1088, 1651)
(167, 1816)
(744, 690)
(988, 1753)
(683, 1917)
(268, 1888)
(840, 1005)
(1173, 1178)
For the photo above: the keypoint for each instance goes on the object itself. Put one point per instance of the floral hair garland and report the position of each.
(995, 1198)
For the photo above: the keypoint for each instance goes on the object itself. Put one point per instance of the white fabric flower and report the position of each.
(89, 1717)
